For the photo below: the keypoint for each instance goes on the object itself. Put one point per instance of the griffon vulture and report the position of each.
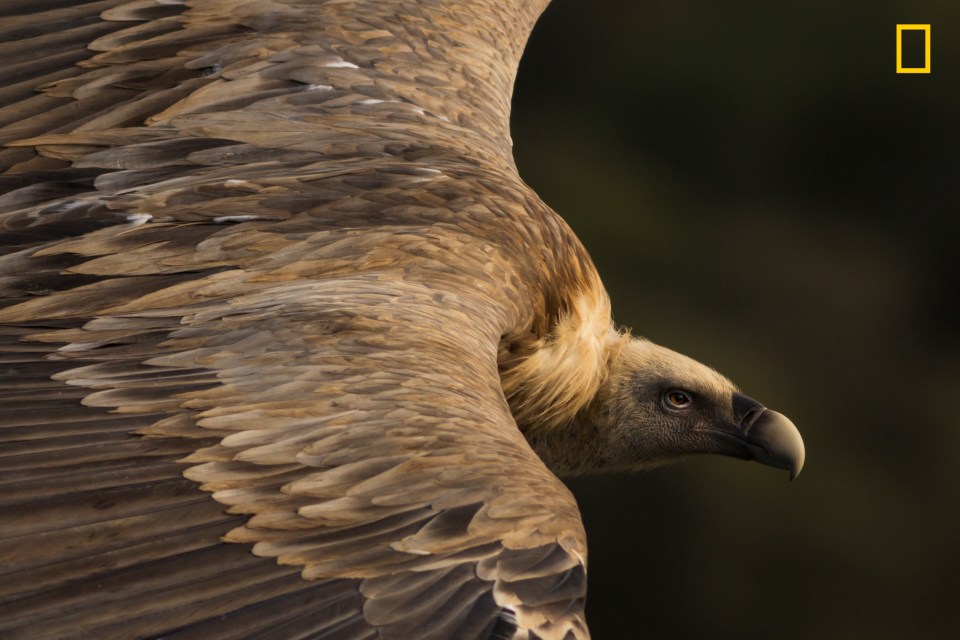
(288, 348)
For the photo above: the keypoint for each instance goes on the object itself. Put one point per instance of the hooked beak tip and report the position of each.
(774, 440)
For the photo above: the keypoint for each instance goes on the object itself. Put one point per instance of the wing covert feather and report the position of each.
(377, 446)
(257, 262)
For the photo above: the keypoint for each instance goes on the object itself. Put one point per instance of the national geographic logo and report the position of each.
(913, 48)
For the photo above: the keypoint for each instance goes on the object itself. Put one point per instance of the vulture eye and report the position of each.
(677, 399)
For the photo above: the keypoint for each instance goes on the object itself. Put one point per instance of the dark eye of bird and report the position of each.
(677, 399)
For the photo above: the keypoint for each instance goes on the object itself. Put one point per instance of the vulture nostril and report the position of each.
(746, 410)
(750, 418)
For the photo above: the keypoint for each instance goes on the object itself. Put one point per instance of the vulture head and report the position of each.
(657, 405)
(640, 406)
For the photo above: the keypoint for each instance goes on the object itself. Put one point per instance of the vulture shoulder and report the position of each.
(287, 347)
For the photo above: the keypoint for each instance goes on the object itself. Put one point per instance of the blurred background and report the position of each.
(761, 191)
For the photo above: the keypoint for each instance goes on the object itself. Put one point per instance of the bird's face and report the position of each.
(658, 406)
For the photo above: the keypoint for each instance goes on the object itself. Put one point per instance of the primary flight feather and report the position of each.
(288, 348)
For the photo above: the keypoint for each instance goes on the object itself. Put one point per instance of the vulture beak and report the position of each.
(767, 436)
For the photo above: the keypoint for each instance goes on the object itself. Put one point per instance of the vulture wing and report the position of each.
(258, 257)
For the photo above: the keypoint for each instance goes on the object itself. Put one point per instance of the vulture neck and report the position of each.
(551, 379)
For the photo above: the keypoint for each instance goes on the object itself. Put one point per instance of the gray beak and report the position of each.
(769, 437)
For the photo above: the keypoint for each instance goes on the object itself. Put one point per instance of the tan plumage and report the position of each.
(275, 305)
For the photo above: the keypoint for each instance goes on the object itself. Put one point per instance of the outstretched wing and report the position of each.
(249, 349)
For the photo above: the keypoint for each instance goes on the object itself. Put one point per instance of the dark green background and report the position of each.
(760, 190)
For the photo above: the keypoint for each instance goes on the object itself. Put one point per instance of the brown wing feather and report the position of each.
(268, 251)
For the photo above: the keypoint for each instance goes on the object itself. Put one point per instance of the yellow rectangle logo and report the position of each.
(926, 45)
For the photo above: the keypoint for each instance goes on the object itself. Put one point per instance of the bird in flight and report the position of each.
(287, 347)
